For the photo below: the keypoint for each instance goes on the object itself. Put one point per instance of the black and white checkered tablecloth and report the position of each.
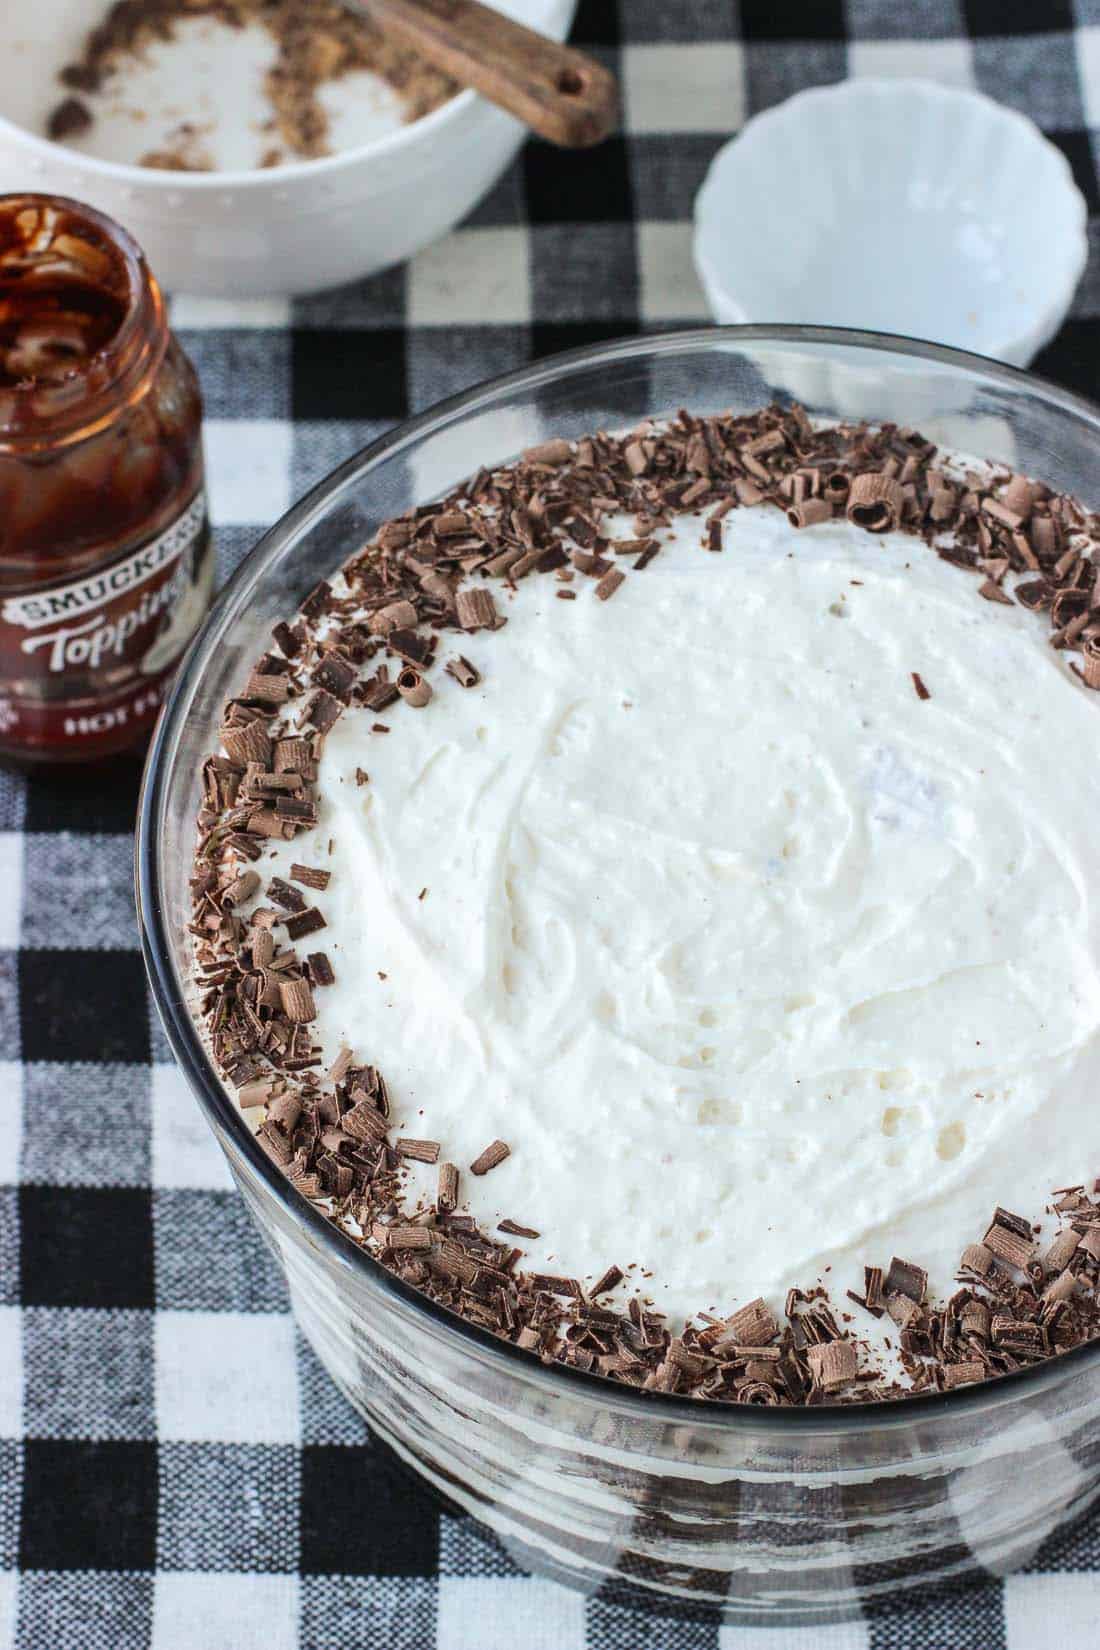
(148, 1496)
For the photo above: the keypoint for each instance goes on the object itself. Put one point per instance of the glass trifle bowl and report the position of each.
(758, 1514)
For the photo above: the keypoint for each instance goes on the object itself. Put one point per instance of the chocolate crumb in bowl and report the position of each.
(317, 43)
(69, 119)
(466, 568)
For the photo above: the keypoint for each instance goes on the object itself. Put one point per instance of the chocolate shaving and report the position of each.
(832, 1364)
(552, 1285)
(976, 1258)
(875, 502)
(810, 512)
(417, 650)
(476, 609)
(324, 710)
(247, 744)
(341, 1066)
(402, 1237)
(413, 688)
(310, 876)
(904, 1278)
(753, 1325)
(380, 695)
(319, 969)
(394, 616)
(423, 1151)
(549, 452)
(446, 1196)
(304, 922)
(337, 675)
(256, 1093)
(285, 896)
(1008, 1245)
(317, 601)
(267, 690)
(462, 671)
(493, 1154)
(297, 1001)
(963, 1374)
(288, 638)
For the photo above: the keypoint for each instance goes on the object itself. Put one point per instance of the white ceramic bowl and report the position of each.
(899, 206)
(291, 229)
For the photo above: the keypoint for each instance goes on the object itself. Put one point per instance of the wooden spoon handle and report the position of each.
(560, 93)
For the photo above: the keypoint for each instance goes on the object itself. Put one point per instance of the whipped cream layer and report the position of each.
(759, 962)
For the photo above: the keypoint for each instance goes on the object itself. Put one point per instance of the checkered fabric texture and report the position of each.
(149, 1498)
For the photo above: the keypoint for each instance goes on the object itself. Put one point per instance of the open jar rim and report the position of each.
(76, 404)
(186, 1040)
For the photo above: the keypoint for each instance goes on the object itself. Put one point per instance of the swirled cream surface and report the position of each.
(760, 962)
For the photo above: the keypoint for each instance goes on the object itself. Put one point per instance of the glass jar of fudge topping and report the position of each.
(105, 560)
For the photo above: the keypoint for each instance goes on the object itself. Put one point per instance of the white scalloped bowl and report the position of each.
(898, 206)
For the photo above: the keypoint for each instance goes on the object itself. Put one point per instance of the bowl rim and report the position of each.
(188, 1046)
(323, 166)
(1045, 314)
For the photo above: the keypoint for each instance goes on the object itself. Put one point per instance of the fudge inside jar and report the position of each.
(64, 295)
(95, 441)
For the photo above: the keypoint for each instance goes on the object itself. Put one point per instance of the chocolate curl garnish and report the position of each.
(421, 1151)
(996, 511)
(243, 886)
(1035, 594)
(392, 617)
(263, 689)
(1069, 605)
(837, 486)
(809, 512)
(875, 502)
(1044, 536)
(247, 744)
(463, 671)
(292, 755)
(413, 688)
(976, 1258)
(310, 876)
(1019, 496)
(438, 586)
(297, 1001)
(1090, 662)
(493, 1154)
(832, 1364)
(476, 609)
(549, 452)
(962, 1374)
(447, 1194)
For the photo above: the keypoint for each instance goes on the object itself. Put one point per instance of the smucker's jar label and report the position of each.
(86, 657)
